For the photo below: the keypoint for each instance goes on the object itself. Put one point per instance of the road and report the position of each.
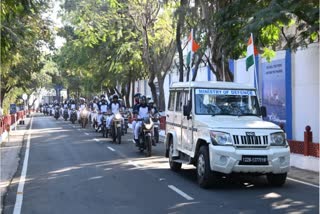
(73, 170)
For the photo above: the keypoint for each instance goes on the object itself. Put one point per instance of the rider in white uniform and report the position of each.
(143, 111)
(103, 108)
(81, 107)
(115, 107)
(95, 109)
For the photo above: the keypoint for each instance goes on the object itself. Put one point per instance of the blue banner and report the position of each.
(13, 108)
(274, 90)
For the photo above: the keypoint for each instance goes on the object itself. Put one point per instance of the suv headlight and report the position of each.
(278, 139)
(220, 138)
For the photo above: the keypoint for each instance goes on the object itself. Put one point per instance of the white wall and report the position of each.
(305, 87)
(305, 91)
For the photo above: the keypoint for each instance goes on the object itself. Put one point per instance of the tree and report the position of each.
(157, 32)
(23, 33)
(102, 48)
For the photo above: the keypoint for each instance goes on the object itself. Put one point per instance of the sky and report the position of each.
(52, 14)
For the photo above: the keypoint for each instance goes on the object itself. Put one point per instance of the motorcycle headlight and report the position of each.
(220, 138)
(118, 116)
(148, 126)
(278, 139)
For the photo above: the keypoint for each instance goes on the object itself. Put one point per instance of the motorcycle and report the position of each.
(94, 120)
(73, 116)
(50, 110)
(145, 135)
(65, 114)
(104, 129)
(84, 118)
(125, 127)
(45, 110)
(116, 128)
(56, 113)
(156, 122)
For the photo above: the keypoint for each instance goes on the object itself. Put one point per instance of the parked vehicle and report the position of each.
(218, 127)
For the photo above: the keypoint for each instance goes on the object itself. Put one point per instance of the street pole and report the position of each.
(223, 74)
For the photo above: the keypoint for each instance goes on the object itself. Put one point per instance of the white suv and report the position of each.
(218, 127)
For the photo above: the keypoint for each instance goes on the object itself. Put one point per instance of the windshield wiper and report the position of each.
(224, 114)
(248, 114)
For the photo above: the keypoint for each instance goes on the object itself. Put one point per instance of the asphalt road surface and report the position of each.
(74, 170)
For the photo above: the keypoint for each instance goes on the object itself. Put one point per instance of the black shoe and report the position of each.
(137, 142)
(153, 143)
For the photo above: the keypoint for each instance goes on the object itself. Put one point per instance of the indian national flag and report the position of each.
(192, 48)
(251, 51)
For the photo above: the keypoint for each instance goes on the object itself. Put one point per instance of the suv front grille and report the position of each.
(240, 140)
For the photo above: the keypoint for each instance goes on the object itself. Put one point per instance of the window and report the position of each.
(171, 101)
(179, 101)
(182, 99)
(236, 102)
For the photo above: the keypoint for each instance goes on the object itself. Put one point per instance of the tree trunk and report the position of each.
(188, 73)
(127, 93)
(133, 92)
(162, 100)
(153, 89)
(196, 68)
(180, 23)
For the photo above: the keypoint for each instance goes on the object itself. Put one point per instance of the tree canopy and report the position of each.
(112, 43)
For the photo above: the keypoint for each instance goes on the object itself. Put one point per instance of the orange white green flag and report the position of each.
(192, 48)
(251, 51)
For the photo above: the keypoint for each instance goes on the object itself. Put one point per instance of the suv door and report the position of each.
(178, 117)
(187, 129)
(170, 113)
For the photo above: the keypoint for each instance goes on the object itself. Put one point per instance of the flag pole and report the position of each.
(255, 72)
(191, 55)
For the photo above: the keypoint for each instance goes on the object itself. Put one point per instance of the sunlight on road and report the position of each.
(64, 170)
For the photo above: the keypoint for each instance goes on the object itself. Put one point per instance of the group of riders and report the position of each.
(110, 117)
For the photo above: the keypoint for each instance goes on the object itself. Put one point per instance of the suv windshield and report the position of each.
(226, 102)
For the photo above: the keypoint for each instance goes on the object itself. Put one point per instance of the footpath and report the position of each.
(10, 151)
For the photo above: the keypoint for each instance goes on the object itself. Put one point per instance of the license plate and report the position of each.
(254, 160)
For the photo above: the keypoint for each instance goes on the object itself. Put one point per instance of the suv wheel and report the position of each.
(276, 179)
(174, 166)
(205, 176)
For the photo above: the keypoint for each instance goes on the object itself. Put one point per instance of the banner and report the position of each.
(13, 108)
(274, 90)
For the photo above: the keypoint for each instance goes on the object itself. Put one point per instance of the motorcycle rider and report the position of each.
(94, 109)
(103, 108)
(135, 107)
(72, 106)
(56, 106)
(142, 111)
(82, 106)
(65, 108)
(114, 107)
(153, 109)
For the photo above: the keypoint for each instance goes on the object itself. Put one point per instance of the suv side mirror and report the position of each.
(263, 110)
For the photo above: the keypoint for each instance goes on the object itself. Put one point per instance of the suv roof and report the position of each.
(210, 84)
